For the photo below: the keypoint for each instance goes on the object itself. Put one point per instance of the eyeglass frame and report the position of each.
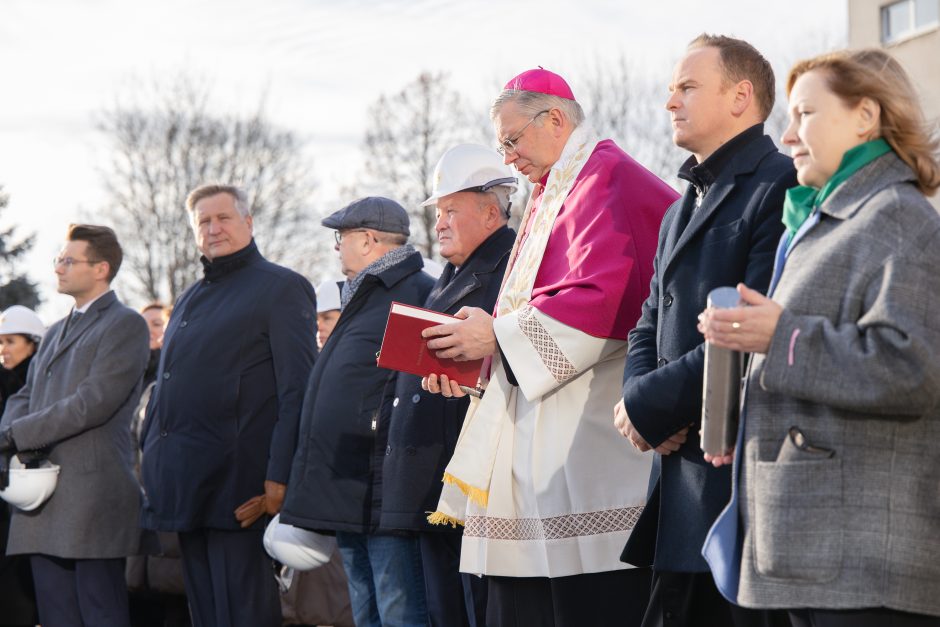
(68, 262)
(510, 145)
(338, 234)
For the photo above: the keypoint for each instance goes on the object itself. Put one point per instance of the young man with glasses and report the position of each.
(546, 492)
(76, 410)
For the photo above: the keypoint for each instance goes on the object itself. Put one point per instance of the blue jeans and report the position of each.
(386, 585)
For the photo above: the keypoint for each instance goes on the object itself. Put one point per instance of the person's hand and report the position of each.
(625, 427)
(6, 439)
(470, 338)
(273, 496)
(745, 329)
(720, 460)
(250, 511)
(442, 385)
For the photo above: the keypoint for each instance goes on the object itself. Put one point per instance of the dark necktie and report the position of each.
(73, 321)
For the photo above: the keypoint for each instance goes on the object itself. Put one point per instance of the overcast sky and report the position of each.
(322, 63)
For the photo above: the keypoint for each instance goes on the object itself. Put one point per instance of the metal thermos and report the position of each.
(721, 389)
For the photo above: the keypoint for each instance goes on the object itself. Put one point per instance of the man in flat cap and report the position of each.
(545, 491)
(335, 477)
(221, 426)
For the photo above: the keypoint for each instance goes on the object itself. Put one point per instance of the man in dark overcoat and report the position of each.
(336, 474)
(723, 231)
(76, 408)
(222, 422)
(472, 198)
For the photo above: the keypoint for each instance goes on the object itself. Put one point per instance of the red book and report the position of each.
(405, 350)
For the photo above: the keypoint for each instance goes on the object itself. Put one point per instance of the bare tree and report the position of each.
(407, 134)
(15, 288)
(164, 142)
(626, 105)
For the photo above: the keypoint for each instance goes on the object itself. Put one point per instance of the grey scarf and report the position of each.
(380, 265)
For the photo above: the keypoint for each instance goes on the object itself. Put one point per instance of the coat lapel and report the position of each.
(745, 162)
(90, 317)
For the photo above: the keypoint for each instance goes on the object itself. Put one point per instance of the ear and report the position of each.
(102, 270)
(556, 121)
(251, 224)
(743, 97)
(868, 114)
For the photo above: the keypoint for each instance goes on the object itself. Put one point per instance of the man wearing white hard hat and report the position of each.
(546, 493)
(472, 190)
(328, 309)
(76, 408)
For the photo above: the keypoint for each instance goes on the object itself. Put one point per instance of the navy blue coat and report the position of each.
(337, 467)
(224, 412)
(731, 238)
(423, 427)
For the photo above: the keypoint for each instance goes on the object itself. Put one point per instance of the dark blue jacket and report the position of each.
(731, 238)
(224, 412)
(337, 468)
(423, 427)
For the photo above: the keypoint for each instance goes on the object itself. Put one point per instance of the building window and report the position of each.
(903, 19)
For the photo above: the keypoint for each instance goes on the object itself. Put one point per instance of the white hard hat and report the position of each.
(295, 547)
(22, 320)
(469, 168)
(30, 487)
(328, 295)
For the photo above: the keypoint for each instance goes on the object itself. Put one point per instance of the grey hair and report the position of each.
(205, 191)
(533, 102)
(500, 196)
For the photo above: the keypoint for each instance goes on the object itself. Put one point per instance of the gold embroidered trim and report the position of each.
(554, 528)
(549, 352)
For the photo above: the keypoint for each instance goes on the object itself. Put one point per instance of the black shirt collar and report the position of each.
(221, 266)
(702, 175)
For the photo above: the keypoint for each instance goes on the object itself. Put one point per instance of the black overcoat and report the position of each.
(423, 427)
(730, 239)
(223, 414)
(338, 463)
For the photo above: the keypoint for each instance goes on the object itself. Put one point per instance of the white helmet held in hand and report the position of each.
(297, 548)
(30, 487)
(470, 168)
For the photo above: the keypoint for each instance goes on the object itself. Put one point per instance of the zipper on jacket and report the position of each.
(375, 421)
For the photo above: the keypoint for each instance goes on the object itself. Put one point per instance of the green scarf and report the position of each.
(801, 200)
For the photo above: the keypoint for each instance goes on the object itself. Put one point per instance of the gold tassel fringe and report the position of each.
(440, 518)
(478, 496)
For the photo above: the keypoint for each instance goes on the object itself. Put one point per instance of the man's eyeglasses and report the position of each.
(68, 262)
(338, 235)
(509, 145)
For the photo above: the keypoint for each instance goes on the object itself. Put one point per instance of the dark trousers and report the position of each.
(89, 592)
(692, 600)
(610, 599)
(872, 617)
(454, 599)
(229, 579)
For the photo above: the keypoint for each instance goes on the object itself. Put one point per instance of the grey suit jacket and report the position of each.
(78, 401)
(855, 364)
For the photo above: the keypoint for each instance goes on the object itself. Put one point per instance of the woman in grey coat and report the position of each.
(836, 509)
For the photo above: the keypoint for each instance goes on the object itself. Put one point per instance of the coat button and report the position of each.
(388, 450)
(166, 375)
(183, 323)
(415, 398)
(48, 373)
(662, 362)
(163, 433)
(410, 450)
(667, 300)
(395, 402)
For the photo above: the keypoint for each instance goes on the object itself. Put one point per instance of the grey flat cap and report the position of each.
(372, 212)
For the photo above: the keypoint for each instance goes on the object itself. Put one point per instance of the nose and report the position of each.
(672, 103)
(214, 226)
(790, 137)
(509, 156)
(336, 246)
(441, 223)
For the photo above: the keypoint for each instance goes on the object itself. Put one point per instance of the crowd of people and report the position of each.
(222, 458)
